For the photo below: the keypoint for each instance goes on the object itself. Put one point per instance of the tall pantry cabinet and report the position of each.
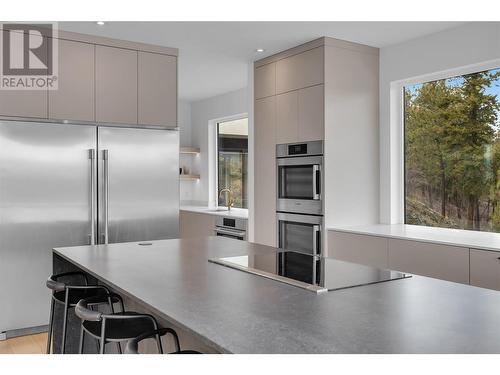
(296, 92)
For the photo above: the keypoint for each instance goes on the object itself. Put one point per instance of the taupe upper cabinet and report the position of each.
(116, 85)
(157, 89)
(311, 109)
(300, 115)
(265, 80)
(23, 103)
(74, 98)
(287, 117)
(301, 70)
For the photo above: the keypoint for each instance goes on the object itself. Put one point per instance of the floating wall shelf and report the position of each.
(189, 150)
(190, 176)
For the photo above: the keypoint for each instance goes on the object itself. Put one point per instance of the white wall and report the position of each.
(203, 114)
(351, 175)
(184, 121)
(464, 48)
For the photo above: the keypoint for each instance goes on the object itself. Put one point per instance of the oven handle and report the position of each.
(316, 241)
(237, 233)
(316, 182)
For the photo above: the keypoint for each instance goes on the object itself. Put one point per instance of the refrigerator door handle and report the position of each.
(105, 195)
(92, 197)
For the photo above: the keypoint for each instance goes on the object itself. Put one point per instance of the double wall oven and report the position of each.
(299, 208)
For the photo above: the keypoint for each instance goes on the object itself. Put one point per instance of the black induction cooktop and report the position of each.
(309, 272)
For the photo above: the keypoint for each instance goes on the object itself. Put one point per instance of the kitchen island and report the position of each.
(219, 309)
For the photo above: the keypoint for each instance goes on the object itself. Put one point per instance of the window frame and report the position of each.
(397, 177)
(215, 153)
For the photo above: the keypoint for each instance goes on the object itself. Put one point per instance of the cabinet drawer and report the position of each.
(358, 248)
(299, 71)
(265, 81)
(426, 259)
(485, 269)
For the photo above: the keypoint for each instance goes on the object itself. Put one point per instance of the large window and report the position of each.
(452, 152)
(232, 161)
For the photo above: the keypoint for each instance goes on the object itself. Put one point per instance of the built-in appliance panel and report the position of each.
(235, 228)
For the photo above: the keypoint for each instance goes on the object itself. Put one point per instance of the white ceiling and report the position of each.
(213, 56)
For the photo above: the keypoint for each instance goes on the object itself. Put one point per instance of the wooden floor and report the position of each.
(32, 344)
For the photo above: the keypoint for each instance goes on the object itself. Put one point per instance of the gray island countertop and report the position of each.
(236, 312)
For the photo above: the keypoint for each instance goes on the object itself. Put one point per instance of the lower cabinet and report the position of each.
(485, 269)
(194, 225)
(420, 258)
(356, 248)
(427, 259)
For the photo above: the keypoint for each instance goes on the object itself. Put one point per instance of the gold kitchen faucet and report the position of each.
(230, 199)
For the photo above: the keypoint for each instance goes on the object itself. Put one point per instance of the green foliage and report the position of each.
(232, 175)
(452, 150)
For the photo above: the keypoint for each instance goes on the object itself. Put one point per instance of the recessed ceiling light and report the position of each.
(260, 50)
(100, 23)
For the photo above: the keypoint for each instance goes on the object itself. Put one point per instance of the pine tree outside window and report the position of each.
(452, 152)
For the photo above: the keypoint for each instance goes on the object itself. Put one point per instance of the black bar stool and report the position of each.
(68, 295)
(133, 345)
(114, 327)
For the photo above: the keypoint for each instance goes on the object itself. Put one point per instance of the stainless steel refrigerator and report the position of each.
(68, 185)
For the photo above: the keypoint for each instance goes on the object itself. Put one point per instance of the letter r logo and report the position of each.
(27, 49)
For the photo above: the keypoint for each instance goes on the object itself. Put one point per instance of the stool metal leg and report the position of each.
(103, 336)
(158, 343)
(65, 322)
(51, 321)
(82, 336)
(111, 307)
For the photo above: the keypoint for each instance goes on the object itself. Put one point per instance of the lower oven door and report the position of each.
(302, 233)
(230, 233)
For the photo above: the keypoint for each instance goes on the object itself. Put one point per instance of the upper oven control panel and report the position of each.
(286, 150)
